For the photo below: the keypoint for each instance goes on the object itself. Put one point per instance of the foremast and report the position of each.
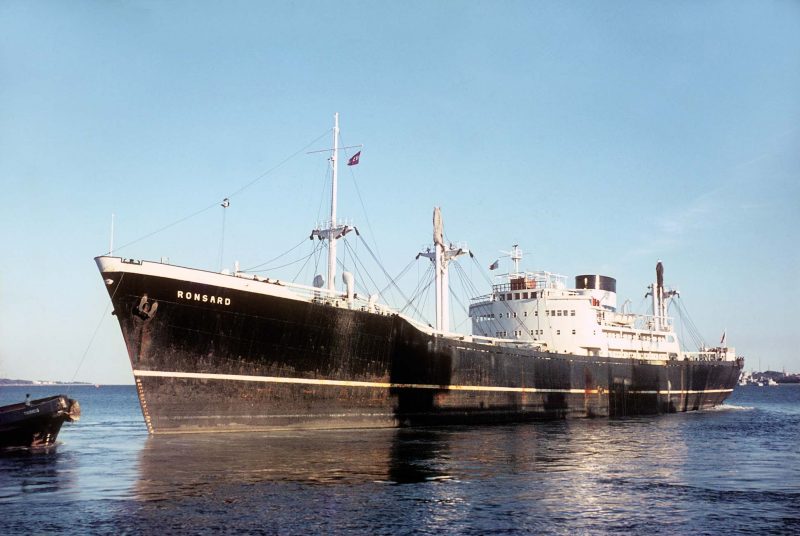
(330, 231)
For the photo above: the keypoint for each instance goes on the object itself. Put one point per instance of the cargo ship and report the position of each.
(217, 351)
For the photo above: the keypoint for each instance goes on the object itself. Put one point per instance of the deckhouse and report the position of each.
(539, 309)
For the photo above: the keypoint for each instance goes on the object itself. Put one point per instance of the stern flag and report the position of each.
(354, 159)
(495, 265)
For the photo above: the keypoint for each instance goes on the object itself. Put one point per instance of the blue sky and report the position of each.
(600, 137)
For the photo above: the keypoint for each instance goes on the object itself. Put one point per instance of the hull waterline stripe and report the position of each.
(387, 385)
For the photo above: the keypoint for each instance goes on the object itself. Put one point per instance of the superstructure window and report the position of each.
(558, 313)
(524, 295)
(558, 332)
(573, 332)
(515, 315)
(509, 296)
(572, 312)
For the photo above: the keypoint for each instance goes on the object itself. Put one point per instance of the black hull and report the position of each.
(35, 424)
(254, 361)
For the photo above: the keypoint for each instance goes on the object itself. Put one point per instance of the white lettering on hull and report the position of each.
(205, 298)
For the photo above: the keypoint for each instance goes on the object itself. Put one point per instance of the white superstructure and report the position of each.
(539, 309)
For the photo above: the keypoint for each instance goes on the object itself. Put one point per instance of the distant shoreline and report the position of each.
(30, 383)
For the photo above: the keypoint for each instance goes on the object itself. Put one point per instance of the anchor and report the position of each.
(145, 310)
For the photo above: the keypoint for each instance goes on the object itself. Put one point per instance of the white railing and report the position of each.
(321, 295)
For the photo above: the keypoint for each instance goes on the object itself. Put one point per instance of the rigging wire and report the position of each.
(424, 280)
(215, 203)
(399, 276)
(385, 273)
(422, 283)
(467, 288)
(355, 263)
(301, 259)
(682, 333)
(418, 293)
(427, 290)
(253, 268)
(164, 228)
(94, 334)
(276, 167)
(310, 256)
(496, 324)
(325, 187)
(457, 299)
(459, 270)
(225, 204)
(361, 200)
(643, 307)
(360, 279)
(317, 258)
(687, 321)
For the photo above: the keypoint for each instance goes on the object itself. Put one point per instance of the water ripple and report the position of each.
(731, 470)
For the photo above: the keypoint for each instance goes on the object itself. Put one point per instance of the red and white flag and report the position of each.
(354, 159)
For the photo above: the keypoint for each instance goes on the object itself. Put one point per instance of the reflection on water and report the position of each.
(27, 473)
(725, 471)
(197, 461)
(587, 474)
(403, 456)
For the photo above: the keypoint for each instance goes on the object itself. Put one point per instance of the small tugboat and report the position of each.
(36, 423)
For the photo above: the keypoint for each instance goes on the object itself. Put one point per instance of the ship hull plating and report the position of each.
(209, 357)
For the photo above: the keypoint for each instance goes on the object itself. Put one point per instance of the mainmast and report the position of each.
(660, 297)
(441, 256)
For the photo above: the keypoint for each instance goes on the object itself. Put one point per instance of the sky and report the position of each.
(599, 136)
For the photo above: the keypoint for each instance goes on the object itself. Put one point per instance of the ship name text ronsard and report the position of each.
(205, 298)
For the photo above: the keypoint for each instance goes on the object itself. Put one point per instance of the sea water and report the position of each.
(734, 469)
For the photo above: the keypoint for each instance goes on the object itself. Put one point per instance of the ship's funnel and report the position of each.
(600, 287)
